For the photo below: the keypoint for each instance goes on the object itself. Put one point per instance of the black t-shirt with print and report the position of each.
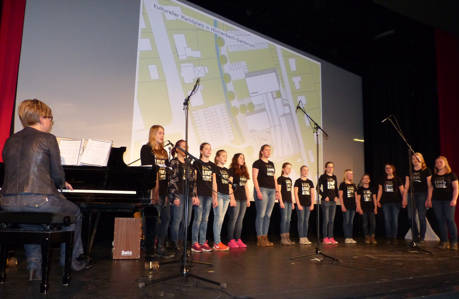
(443, 186)
(390, 190)
(419, 181)
(348, 195)
(304, 191)
(239, 183)
(366, 198)
(286, 188)
(265, 176)
(328, 186)
(223, 182)
(205, 171)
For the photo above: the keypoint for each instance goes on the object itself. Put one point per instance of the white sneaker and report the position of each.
(307, 242)
(348, 241)
(353, 241)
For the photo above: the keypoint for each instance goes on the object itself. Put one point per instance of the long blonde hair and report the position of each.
(448, 168)
(423, 162)
(344, 176)
(156, 147)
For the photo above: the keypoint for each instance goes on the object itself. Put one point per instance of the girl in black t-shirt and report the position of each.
(176, 188)
(225, 196)
(207, 194)
(421, 179)
(156, 224)
(347, 195)
(265, 193)
(443, 198)
(240, 175)
(390, 191)
(328, 190)
(304, 198)
(367, 207)
(285, 203)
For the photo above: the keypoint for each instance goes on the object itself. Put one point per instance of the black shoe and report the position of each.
(81, 265)
(34, 274)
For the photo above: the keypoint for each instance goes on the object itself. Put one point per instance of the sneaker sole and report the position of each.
(197, 251)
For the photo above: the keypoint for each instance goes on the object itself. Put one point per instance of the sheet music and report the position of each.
(96, 153)
(70, 150)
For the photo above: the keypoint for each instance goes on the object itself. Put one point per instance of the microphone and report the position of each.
(388, 117)
(169, 143)
(298, 106)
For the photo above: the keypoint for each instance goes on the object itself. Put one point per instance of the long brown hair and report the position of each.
(201, 147)
(239, 170)
(448, 168)
(156, 147)
(284, 165)
(393, 169)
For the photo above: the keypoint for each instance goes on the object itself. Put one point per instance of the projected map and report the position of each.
(249, 88)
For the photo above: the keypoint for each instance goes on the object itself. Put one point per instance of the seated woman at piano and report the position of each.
(33, 174)
(156, 222)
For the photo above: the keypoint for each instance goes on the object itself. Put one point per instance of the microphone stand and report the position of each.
(411, 152)
(318, 255)
(185, 267)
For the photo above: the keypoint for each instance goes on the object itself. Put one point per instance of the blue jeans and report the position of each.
(236, 219)
(348, 223)
(391, 211)
(40, 204)
(201, 217)
(177, 226)
(420, 207)
(264, 209)
(445, 218)
(368, 223)
(328, 217)
(286, 216)
(303, 221)
(219, 215)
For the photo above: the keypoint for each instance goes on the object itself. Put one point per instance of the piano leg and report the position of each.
(93, 233)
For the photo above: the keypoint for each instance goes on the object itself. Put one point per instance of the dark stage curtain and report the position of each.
(447, 50)
(11, 24)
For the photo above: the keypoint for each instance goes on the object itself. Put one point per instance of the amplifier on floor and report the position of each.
(126, 244)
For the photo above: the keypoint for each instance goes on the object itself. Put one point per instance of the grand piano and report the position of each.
(116, 188)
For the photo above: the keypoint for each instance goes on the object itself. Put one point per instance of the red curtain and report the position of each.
(11, 24)
(447, 52)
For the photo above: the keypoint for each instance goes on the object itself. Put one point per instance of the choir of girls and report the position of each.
(214, 187)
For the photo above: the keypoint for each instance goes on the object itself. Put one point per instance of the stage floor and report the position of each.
(363, 271)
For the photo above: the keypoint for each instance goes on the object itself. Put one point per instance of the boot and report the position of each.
(367, 240)
(289, 240)
(267, 242)
(373, 240)
(284, 240)
(260, 241)
(453, 246)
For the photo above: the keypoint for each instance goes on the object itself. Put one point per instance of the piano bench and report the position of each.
(45, 229)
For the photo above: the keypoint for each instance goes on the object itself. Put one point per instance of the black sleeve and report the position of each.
(342, 186)
(297, 183)
(256, 164)
(146, 155)
(320, 185)
(311, 183)
(453, 177)
(57, 171)
(428, 172)
(398, 181)
(279, 180)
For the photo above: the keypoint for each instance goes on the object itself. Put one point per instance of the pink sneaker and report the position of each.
(205, 247)
(196, 247)
(326, 241)
(333, 241)
(233, 244)
(241, 244)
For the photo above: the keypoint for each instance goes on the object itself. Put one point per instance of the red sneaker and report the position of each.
(333, 241)
(326, 241)
(220, 247)
(233, 244)
(196, 247)
(241, 244)
(205, 247)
